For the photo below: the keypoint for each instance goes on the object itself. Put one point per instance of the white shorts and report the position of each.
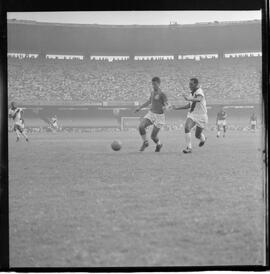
(253, 123)
(199, 120)
(221, 123)
(55, 125)
(158, 120)
(19, 126)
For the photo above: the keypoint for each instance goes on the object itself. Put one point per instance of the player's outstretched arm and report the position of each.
(147, 103)
(191, 99)
(181, 107)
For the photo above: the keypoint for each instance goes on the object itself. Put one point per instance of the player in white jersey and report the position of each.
(16, 113)
(253, 122)
(54, 123)
(197, 115)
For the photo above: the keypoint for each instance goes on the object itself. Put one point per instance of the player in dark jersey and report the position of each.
(221, 122)
(155, 116)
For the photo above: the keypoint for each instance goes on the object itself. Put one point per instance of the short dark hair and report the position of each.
(156, 79)
(195, 80)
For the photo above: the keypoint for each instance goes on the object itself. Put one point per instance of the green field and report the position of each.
(75, 202)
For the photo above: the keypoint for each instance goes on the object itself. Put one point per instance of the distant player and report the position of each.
(221, 122)
(155, 116)
(253, 121)
(16, 114)
(197, 115)
(54, 123)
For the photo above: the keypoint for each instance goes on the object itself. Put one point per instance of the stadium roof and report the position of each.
(94, 39)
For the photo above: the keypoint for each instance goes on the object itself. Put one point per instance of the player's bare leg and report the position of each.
(17, 134)
(218, 131)
(25, 135)
(188, 126)
(156, 140)
(142, 129)
(199, 135)
(224, 131)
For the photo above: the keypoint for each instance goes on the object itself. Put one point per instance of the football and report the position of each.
(116, 145)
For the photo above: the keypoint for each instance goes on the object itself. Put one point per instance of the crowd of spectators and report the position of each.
(43, 81)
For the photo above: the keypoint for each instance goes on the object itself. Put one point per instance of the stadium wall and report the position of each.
(104, 117)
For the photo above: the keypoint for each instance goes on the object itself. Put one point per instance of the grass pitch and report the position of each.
(75, 202)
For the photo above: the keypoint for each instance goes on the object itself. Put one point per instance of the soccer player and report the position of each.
(253, 122)
(221, 122)
(18, 123)
(197, 115)
(54, 123)
(155, 116)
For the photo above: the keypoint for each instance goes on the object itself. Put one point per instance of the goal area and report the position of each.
(129, 122)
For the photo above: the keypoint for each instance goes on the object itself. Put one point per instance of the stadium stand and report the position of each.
(53, 81)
